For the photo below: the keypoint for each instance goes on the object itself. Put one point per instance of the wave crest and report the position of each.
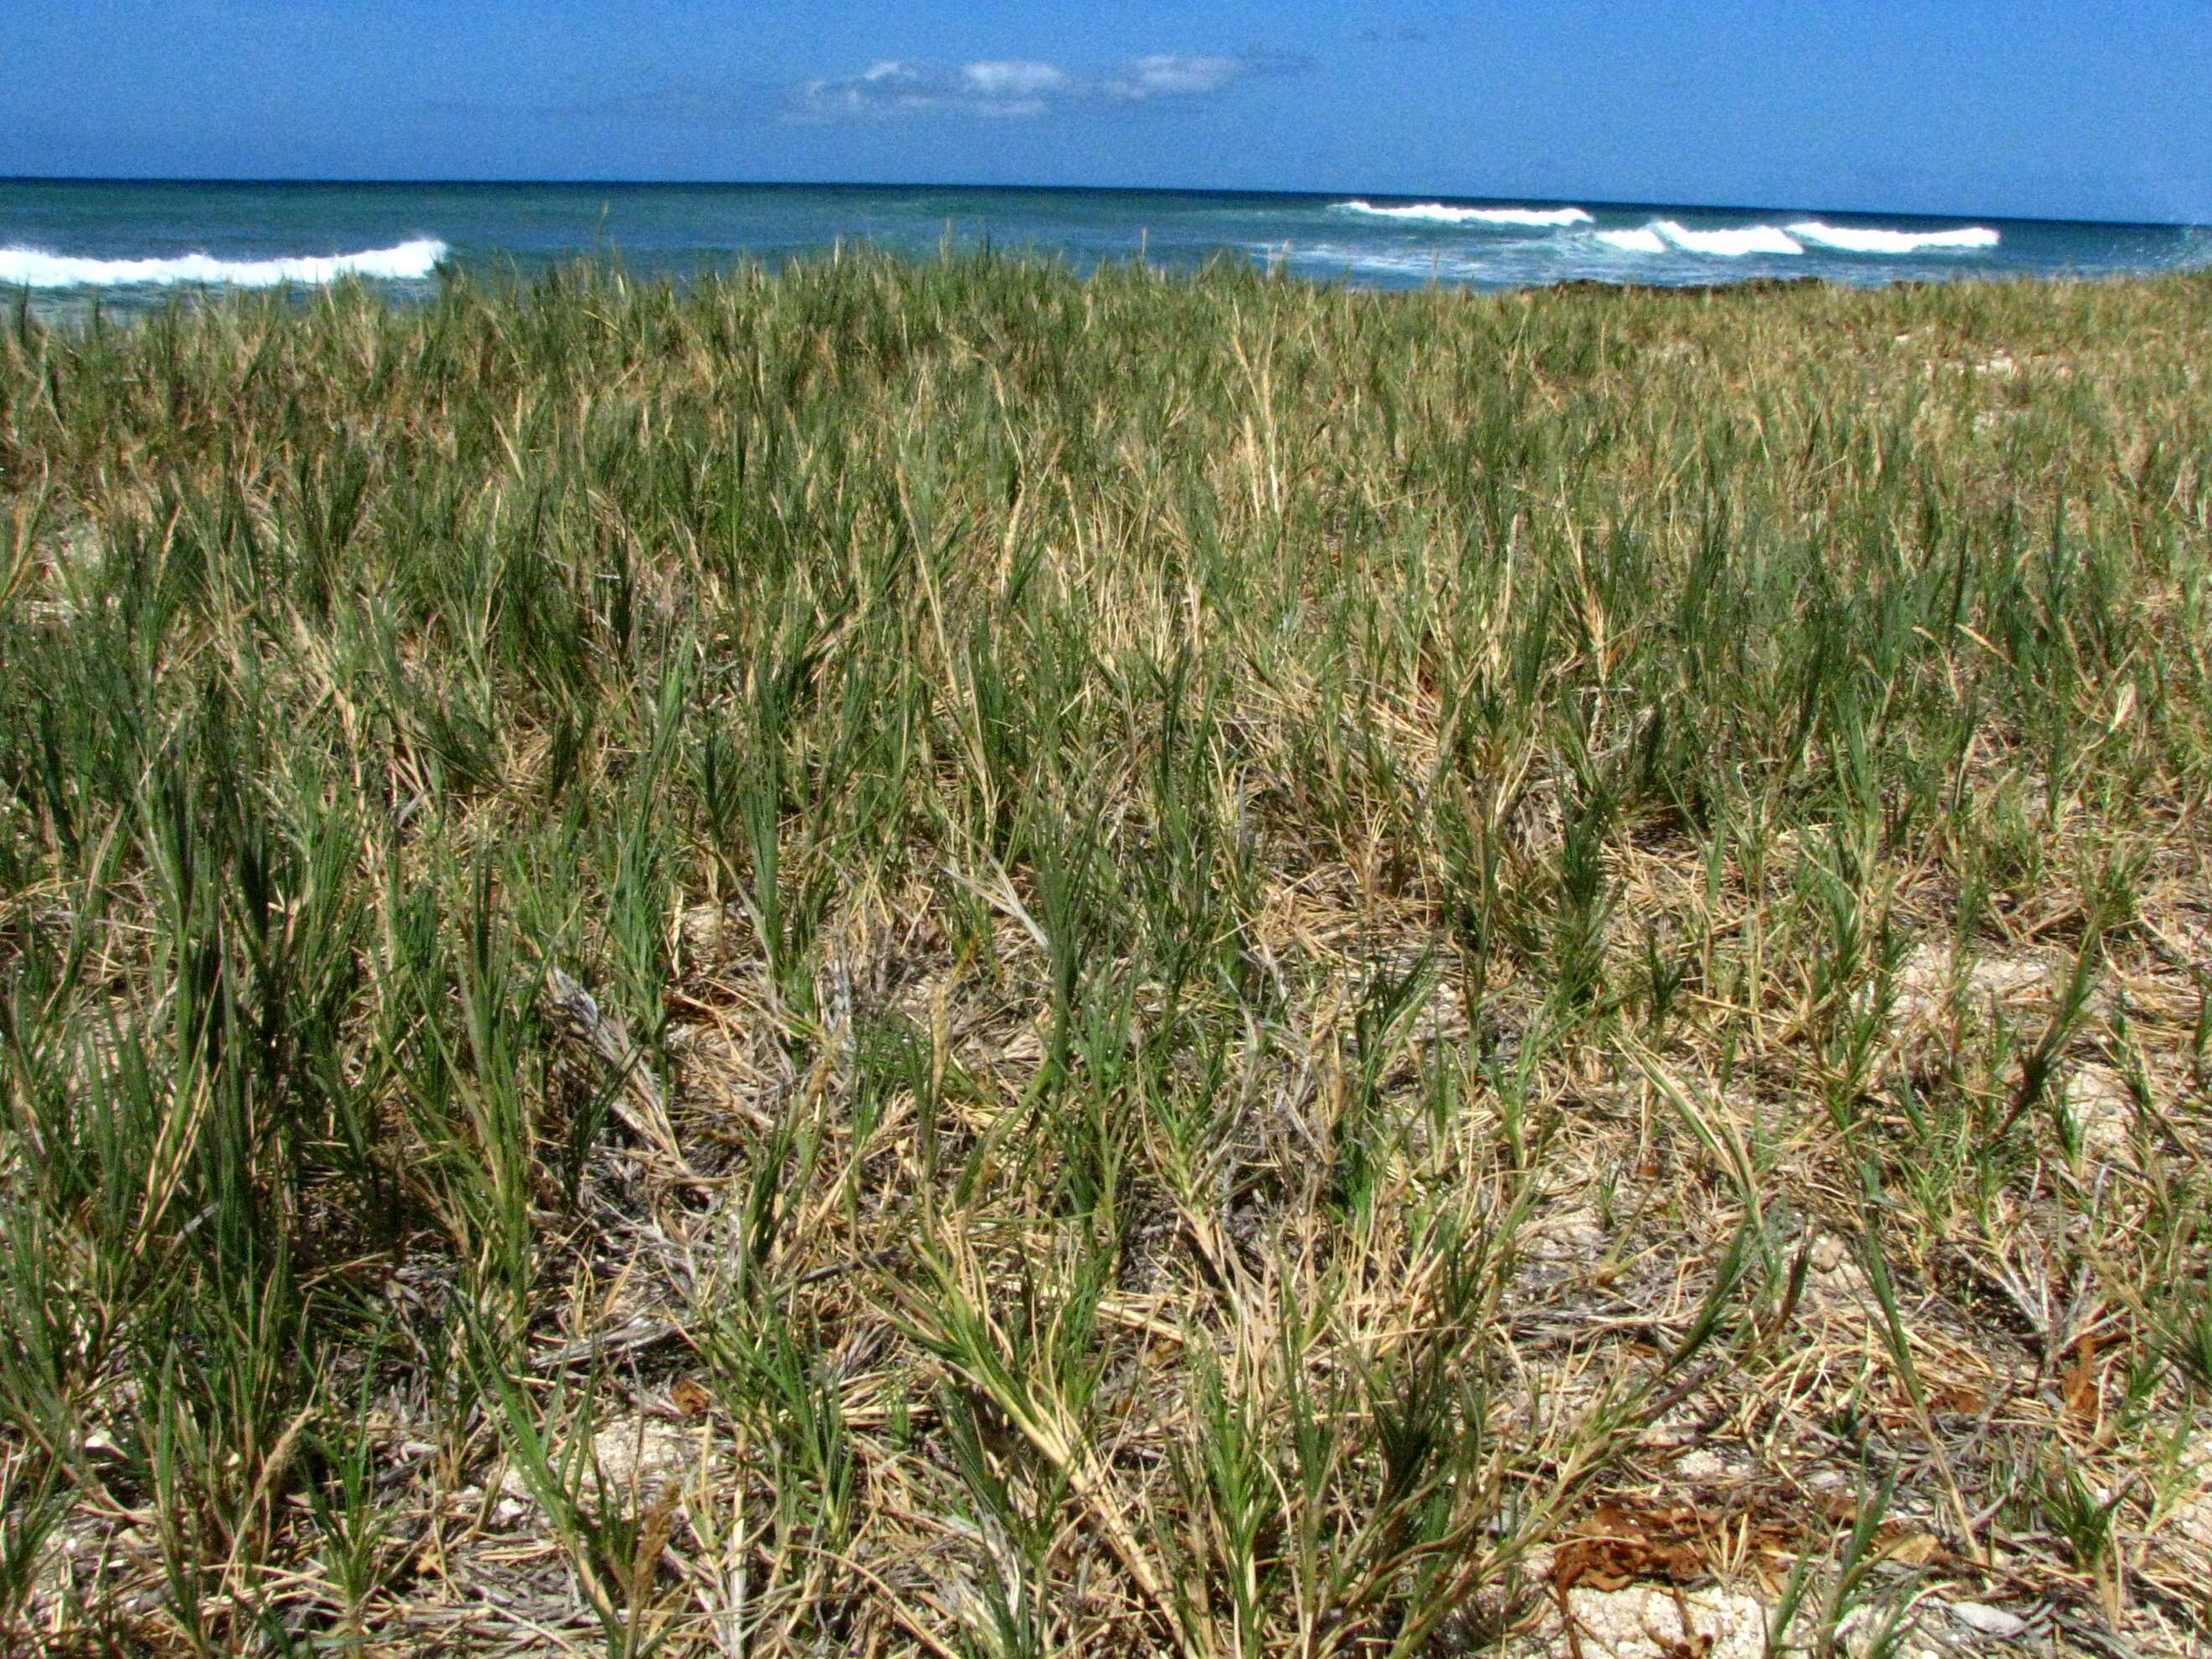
(1854, 239)
(1662, 234)
(30, 267)
(1437, 213)
(1734, 244)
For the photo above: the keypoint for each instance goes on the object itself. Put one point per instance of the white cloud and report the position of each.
(999, 87)
(1170, 75)
(1011, 78)
(879, 88)
(1018, 87)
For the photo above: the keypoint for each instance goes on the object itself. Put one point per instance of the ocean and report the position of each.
(71, 245)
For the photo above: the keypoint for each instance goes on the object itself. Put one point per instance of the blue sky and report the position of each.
(2078, 110)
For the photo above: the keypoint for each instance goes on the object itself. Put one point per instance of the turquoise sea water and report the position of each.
(127, 245)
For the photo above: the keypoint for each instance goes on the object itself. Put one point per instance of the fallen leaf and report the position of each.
(689, 1398)
(1619, 1547)
(1912, 1548)
(1959, 1398)
(2082, 1395)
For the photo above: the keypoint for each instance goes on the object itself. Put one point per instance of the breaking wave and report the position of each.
(1665, 236)
(1661, 235)
(1437, 213)
(1853, 239)
(1734, 244)
(28, 267)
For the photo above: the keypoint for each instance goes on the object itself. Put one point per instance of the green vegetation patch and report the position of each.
(937, 958)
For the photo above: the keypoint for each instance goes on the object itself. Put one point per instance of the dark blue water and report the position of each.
(129, 244)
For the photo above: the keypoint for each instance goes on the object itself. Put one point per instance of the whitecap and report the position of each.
(1854, 239)
(28, 267)
(1642, 239)
(1437, 213)
(1733, 244)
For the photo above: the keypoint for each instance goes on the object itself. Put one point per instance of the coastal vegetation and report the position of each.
(938, 957)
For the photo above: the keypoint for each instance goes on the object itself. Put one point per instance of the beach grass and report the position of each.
(939, 957)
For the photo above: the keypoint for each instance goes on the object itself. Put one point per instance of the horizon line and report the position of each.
(1444, 196)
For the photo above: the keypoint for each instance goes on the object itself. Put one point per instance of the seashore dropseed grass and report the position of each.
(934, 957)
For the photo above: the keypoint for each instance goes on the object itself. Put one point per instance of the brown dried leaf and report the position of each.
(692, 1398)
(1620, 1548)
(2083, 1397)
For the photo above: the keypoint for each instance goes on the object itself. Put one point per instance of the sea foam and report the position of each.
(1437, 213)
(1853, 239)
(1728, 243)
(28, 267)
(1661, 235)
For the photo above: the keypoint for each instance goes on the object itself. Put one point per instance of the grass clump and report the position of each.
(932, 958)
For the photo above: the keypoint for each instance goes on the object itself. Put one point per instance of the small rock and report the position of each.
(1836, 1287)
(2104, 1107)
(1924, 982)
(642, 1452)
(1993, 1622)
(705, 930)
(1699, 1465)
(1574, 1233)
(1647, 1622)
(2192, 1517)
(638, 1455)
